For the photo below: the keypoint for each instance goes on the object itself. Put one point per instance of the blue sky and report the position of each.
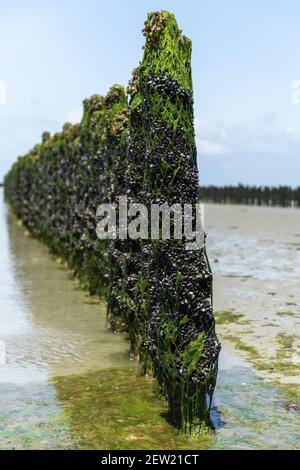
(55, 53)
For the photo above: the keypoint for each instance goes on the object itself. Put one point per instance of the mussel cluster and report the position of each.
(156, 290)
(180, 331)
(56, 189)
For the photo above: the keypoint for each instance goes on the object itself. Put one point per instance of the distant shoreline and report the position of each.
(281, 196)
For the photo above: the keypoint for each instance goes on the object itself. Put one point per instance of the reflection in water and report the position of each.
(50, 327)
(67, 382)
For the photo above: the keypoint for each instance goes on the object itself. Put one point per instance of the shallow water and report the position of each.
(67, 382)
(253, 410)
(49, 325)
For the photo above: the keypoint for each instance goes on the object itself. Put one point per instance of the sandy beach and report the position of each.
(255, 258)
(66, 380)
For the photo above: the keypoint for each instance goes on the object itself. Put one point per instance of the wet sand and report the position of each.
(49, 325)
(255, 258)
(66, 381)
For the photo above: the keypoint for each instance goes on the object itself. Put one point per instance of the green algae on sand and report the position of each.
(227, 316)
(160, 291)
(119, 409)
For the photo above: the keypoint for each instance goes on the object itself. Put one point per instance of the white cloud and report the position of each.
(3, 93)
(208, 147)
(210, 131)
(75, 115)
(212, 139)
(259, 139)
(295, 96)
(293, 133)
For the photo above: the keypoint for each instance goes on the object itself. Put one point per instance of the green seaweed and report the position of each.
(156, 291)
(284, 367)
(286, 313)
(176, 340)
(127, 413)
(241, 346)
(227, 316)
(286, 343)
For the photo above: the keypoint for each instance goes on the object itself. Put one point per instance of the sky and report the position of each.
(246, 75)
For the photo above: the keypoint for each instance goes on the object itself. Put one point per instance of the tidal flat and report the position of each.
(68, 382)
(256, 284)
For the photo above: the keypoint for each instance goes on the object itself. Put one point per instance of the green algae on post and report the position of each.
(180, 337)
(157, 291)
